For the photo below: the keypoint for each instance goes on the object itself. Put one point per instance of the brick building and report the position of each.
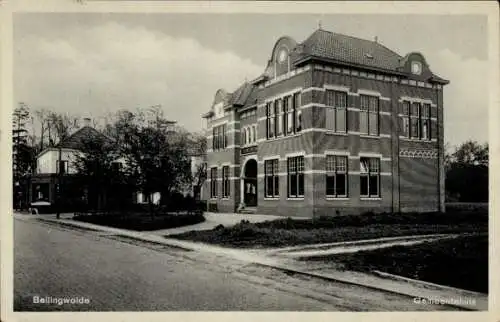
(334, 125)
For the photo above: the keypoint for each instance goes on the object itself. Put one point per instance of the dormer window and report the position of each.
(416, 67)
(282, 61)
(219, 110)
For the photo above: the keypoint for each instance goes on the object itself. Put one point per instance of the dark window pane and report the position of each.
(301, 184)
(363, 181)
(341, 184)
(276, 185)
(374, 185)
(330, 185)
(293, 185)
(414, 128)
(269, 186)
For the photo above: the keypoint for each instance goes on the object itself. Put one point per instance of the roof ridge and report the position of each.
(371, 41)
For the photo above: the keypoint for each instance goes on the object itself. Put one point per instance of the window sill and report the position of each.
(367, 136)
(295, 198)
(271, 198)
(370, 198)
(404, 138)
(213, 199)
(226, 198)
(280, 137)
(337, 198)
(330, 132)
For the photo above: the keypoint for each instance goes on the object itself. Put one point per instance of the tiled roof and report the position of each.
(240, 96)
(75, 141)
(342, 48)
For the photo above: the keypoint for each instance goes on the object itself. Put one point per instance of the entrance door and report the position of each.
(250, 184)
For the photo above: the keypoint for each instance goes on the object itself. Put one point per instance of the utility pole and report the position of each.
(59, 179)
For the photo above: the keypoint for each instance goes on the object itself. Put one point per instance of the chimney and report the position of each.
(86, 121)
(376, 39)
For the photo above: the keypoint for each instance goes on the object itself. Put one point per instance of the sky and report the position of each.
(91, 64)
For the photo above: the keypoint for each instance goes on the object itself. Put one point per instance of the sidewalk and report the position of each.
(212, 220)
(412, 288)
(358, 245)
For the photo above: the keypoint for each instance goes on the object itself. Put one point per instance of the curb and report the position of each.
(359, 242)
(371, 287)
(427, 284)
(261, 262)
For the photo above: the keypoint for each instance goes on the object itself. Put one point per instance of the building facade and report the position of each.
(334, 125)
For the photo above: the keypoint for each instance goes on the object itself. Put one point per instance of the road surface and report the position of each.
(52, 263)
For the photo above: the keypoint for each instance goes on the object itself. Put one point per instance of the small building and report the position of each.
(334, 125)
(55, 167)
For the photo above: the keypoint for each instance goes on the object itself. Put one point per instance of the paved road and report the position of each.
(51, 262)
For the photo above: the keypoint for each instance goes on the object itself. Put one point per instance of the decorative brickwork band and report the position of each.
(419, 153)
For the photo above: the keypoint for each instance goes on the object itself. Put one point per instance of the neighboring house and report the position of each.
(334, 125)
(46, 178)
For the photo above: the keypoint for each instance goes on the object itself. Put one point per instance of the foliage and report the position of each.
(288, 231)
(435, 262)
(154, 153)
(467, 173)
(139, 222)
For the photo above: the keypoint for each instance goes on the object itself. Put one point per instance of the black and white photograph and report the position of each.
(249, 160)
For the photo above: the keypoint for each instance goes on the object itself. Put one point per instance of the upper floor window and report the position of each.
(369, 177)
(295, 177)
(425, 121)
(416, 119)
(369, 115)
(405, 118)
(62, 166)
(336, 176)
(219, 137)
(289, 115)
(248, 113)
(283, 116)
(278, 113)
(249, 135)
(336, 104)
(270, 120)
(298, 112)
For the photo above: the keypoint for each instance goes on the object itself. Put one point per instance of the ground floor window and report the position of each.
(272, 182)
(336, 176)
(295, 177)
(225, 182)
(40, 192)
(213, 182)
(370, 177)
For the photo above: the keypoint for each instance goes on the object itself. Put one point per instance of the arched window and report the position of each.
(254, 138)
(243, 137)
